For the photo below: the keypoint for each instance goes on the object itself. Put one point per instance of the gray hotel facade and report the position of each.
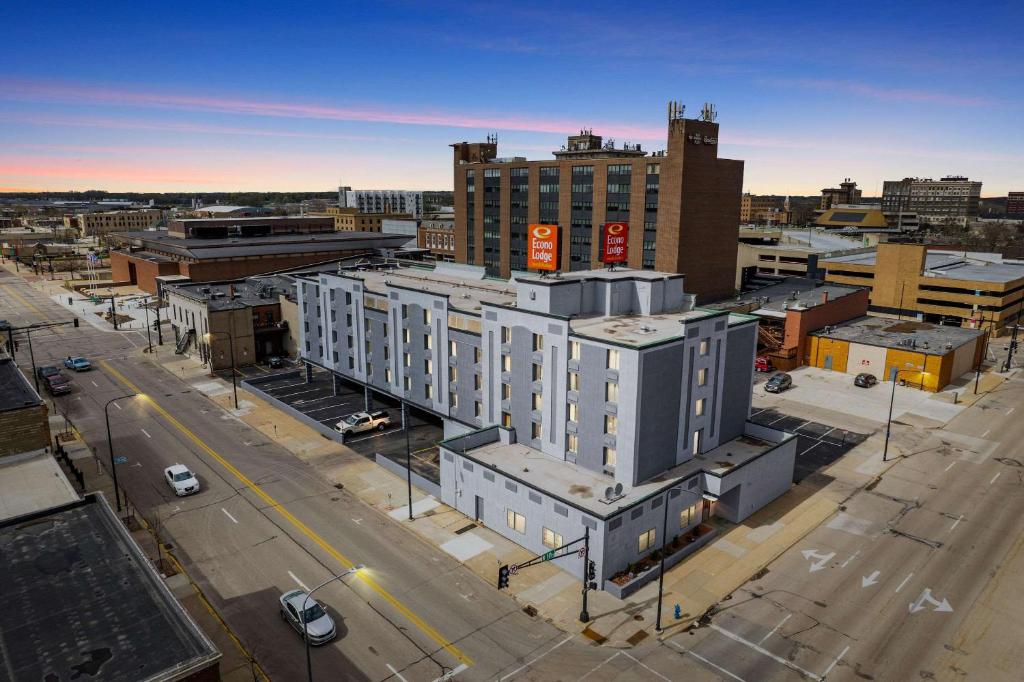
(586, 400)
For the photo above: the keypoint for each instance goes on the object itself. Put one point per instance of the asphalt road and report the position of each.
(940, 525)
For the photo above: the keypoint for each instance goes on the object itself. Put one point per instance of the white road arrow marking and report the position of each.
(870, 580)
(926, 596)
(822, 559)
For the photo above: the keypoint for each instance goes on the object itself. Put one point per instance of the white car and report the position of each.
(181, 480)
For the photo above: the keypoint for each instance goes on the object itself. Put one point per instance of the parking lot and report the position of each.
(328, 404)
(818, 445)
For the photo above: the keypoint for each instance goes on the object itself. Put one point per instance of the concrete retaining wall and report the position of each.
(399, 470)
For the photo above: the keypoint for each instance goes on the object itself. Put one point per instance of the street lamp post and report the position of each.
(664, 544)
(892, 400)
(305, 624)
(231, 344)
(110, 446)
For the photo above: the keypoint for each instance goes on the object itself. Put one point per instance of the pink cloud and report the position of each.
(876, 92)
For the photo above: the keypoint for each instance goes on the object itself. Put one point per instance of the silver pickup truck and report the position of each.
(363, 421)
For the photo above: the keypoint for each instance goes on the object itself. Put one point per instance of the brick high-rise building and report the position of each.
(1015, 203)
(846, 193)
(952, 199)
(682, 204)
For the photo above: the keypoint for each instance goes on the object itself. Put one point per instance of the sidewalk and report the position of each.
(235, 665)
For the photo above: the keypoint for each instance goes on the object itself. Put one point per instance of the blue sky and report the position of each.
(273, 96)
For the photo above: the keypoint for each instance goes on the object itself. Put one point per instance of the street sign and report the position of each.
(513, 569)
(120, 460)
(582, 551)
(548, 556)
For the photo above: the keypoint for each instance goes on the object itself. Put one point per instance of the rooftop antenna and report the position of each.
(708, 113)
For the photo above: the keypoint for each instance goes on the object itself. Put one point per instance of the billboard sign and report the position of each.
(616, 242)
(542, 247)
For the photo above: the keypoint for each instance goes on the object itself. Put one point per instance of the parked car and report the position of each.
(363, 421)
(77, 364)
(47, 371)
(275, 362)
(57, 384)
(182, 481)
(315, 620)
(779, 383)
(762, 363)
(865, 380)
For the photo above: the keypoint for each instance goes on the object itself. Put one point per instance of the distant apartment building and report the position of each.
(105, 222)
(350, 219)
(682, 204)
(953, 199)
(760, 210)
(436, 233)
(585, 401)
(381, 201)
(976, 290)
(1015, 204)
(846, 193)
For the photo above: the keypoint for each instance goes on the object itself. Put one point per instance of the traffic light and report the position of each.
(503, 577)
(591, 570)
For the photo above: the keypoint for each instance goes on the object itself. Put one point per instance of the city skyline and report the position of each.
(214, 100)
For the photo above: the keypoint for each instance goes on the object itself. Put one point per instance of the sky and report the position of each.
(209, 96)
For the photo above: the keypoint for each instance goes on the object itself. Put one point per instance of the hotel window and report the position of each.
(428, 342)
(705, 344)
(613, 359)
(407, 359)
(535, 430)
(453, 374)
(452, 349)
(516, 522)
(406, 336)
(611, 424)
(611, 392)
(538, 342)
(453, 400)
(572, 443)
(427, 317)
(696, 441)
(506, 363)
(506, 419)
(506, 335)
(428, 366)
(551, 539)
(478, 408)
(506, 391)
(646, 540)
(538, 401)
(408, 383)
(574, 350)
(609, 457)
(428, 391)
(702, 377)
(387, 375)
(477, 354)
(699, 407)
(538, 372)
(574, 381)
(477, 382)
(573, 412)
(688, 516)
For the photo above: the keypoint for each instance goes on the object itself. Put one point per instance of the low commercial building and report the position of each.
(975, 290)
(24, 417)
(585, 401)
(924, 355)
(80, 595)
(868, 220)
(104, 222)
(146, 256)
(436, 233)
(789, 311)
(760, 210)
(765, 256)
(352, 219)
(244, 228)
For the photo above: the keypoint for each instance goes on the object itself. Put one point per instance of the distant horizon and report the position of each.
(104, 97)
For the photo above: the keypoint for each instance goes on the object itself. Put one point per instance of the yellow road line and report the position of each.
(302, 527)
(24, 301)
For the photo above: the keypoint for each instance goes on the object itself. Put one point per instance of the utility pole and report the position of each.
(661, 575)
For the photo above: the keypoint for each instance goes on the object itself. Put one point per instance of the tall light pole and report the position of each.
(110, 445)
(305, 623)
(664, 543)
(231, 344)
(892, 399)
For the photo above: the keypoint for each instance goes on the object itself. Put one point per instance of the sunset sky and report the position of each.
(279, 96)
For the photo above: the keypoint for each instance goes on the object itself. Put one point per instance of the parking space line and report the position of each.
(395, 672)
(231, 517)
(778, 659)
(645, 666)
(905, 581)
(296, 579)
(950, 465)
(776, 628)
(834, 663)
(990, 482)
(956, 523)
(700, 658)
(527, 665)
(816, 444)
(145, 433)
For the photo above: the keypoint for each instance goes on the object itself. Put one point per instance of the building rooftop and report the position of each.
(15, 390)
(162, 244)
(645, 330)
(242, 293)
(966, 265)
(583, 488)
(922, 337)
(31, 481)
(792, 293)
(80, 596)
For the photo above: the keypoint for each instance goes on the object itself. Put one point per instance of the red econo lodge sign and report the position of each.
(542, 247)
(616, 242)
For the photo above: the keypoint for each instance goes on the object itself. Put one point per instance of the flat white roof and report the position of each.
(31, 482)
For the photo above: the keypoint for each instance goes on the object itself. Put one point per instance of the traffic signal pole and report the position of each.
(584, 614)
